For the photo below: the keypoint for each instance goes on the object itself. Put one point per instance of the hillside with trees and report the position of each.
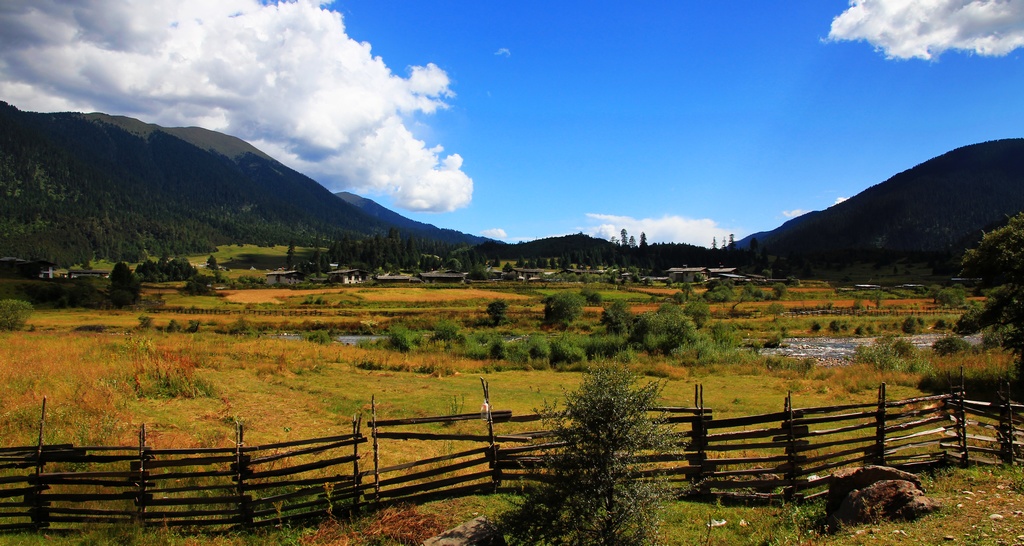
(80, 187)
(941, 205)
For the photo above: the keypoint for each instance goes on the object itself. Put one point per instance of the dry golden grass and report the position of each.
(400, 295)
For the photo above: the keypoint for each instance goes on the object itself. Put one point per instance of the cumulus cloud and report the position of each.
(503, 52)
(925, 29)
(794, 213)
(839, 200)
(667, 229)
(495, 233)
(283, 75)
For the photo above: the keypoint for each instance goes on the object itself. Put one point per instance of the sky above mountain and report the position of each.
(686, 121)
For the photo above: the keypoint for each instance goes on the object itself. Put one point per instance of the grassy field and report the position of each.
(105, 372)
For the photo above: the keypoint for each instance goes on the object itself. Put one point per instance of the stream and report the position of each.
(839, 350)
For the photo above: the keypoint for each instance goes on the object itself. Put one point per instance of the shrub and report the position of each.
(698, 311)
(892, 354)
(617, 318)
(14, 314)
(663, 331)
(496, 349)
(567, 350)
(912, 325)
(172, 326)
(563, 308)
(497, 310)
(591, 296)
(950, 345)
(594, 494)
(447, 331)
(402, 339)
(322, 337)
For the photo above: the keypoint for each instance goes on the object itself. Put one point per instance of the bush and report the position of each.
(14, 314)
(912, 325)
(698, 311)
(563, 308)
(567, 350)
(617, 318)
(951, 345)
(892, 354)
(663, 331)
(497, 310)
(591, 296)
(402, 339)
(447, 331)
(322, 337)
(594, 494)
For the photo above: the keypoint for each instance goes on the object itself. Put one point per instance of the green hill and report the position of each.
(78, 187)
(941, 205)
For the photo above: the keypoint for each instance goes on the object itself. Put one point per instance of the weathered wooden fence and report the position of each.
(788, 454)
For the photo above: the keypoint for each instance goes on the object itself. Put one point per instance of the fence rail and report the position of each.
(787, 454)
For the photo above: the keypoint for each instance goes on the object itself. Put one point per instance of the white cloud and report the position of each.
(794, 213)
(503, 52)
(283, 75)
(495, 233)
(839, 200)
(667, 229)
(926, 28)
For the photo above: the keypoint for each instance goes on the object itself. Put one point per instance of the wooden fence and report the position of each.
(788, 454)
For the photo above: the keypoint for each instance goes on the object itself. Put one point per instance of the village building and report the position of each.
(348, 276)
(285, 277)
(524, 274)
(86, 273)
(433, 277)
(395, 279)
(687, 274)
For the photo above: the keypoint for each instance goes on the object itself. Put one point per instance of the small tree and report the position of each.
(563, 308)
(999, 259)
(497, 310)
(595, 494)
(124, 285)
(14, 314)
(617, 317)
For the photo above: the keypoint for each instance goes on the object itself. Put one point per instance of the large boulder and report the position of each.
(475, 532)
(874, 493)
(848, 480)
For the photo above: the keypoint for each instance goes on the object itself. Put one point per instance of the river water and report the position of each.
(839, 350)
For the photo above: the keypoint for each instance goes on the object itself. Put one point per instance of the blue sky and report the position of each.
(683, 120)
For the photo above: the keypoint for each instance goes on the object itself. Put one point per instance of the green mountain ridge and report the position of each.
(941, 205)
(78, 187)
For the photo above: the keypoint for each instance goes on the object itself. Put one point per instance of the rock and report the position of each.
(475, 532)
(848, 480)
(883, 500)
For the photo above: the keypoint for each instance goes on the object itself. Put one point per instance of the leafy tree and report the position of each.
(563, 308)
(999, 259)
(595, 494)
(497, 310)
(14, 314)
(211, 263)
(617, 317)
(124, 285)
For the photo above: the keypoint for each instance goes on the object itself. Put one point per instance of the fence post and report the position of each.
(376, 450)
(39, 516)
(880, 427)
(699, 434)
(789, 493)
(493, 452)
(357, 480)
(241, 469)
(961, 418)
(1006, 426)
(140, 500)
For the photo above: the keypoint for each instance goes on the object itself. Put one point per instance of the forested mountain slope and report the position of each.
(77, 187)
(940, 205)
